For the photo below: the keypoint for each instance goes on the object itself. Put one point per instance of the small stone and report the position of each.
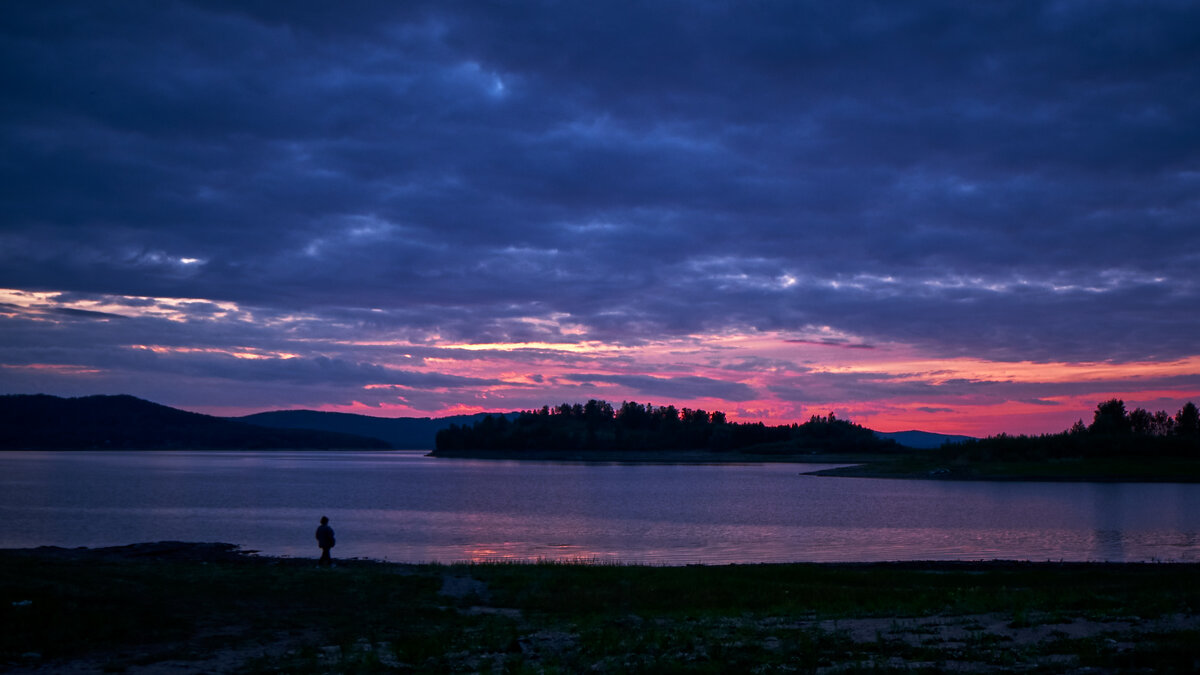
(331, 654)
(386, 656)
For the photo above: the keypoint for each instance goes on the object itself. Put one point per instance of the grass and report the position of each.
(842, 590)
(270, 615)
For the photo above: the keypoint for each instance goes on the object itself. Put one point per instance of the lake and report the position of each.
(403, 506)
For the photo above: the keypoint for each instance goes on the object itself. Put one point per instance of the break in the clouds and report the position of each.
(442, 207)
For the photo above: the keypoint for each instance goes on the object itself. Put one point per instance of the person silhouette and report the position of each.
(326, 541)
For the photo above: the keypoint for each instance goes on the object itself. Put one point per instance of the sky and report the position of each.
(963, 217)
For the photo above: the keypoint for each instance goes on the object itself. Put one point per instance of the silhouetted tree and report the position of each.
(1110, 418)
(1141, 421)
(1187, 420)
(598, 410)
(1112, 433)
(1164, 424)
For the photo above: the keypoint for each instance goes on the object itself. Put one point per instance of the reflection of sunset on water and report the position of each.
(533, 552)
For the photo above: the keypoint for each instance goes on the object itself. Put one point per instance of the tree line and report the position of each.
(1113, 432)
(1110, 418)
(597, 425)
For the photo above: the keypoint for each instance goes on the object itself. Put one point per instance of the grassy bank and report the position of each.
(205, 609)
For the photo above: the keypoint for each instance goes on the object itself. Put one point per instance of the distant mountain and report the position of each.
(921, 440)
(406, 433)
(41, 422)
(419, 433)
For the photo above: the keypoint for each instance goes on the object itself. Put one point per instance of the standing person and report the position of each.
(325, 541)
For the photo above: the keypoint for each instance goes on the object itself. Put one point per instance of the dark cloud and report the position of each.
(753, 364)
(1003, 181)
(1038, 401)
(832, 343)
(86, 314)
(683, 387)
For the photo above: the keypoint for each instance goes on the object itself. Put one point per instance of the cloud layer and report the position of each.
(367, 197)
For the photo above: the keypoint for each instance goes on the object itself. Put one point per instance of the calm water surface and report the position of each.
(403, 506)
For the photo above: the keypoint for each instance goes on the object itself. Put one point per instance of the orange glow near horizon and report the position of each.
(694, 357)
(1025, 371)
(774, 377)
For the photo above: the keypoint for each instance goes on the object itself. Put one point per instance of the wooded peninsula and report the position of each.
(1116, 445)
(636, 428)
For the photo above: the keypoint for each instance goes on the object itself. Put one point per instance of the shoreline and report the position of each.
(912, 466)
(223, 552)
(1183, 473)
(654, 456)
(235, 554)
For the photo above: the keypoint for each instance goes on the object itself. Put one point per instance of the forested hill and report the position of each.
(923, 440)
(404, 433)
(596, 425)
(41, 422)
(1118, 445)
(1114, 432)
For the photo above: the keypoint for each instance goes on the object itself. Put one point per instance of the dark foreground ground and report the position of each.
(180, 608)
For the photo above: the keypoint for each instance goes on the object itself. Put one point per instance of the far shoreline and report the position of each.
(1058, 471)
(916, 465)
(654, 456)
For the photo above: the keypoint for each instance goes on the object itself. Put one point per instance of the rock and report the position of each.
(547, 641)
(331, 654)
(386, 655)
(461, 587)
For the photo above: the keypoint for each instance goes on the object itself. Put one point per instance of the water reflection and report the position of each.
(403, 506)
